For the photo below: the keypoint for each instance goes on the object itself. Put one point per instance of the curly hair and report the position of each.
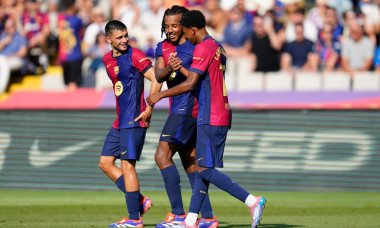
(175, 10)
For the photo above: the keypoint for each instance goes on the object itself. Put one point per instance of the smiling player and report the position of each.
(127, 67)
(173, 58)
(214, 119)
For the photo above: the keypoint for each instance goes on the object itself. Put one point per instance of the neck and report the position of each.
(202, 34)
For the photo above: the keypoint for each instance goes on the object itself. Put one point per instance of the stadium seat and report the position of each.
(52, 80)
(253, 81)
(308, 81)
(336, 81)
(366, 81)
(278, 81)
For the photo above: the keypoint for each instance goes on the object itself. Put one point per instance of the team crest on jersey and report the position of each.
(118, 88)
(116, 70)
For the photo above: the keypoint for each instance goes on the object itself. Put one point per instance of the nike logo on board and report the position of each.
(38, 158)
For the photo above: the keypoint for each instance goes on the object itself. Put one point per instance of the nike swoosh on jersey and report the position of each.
(163, 135)
(109, 65)
(38, 158)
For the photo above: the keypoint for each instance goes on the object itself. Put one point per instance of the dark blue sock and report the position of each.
(133, 204)
(225, 183)
(199, 194)
(173, 189)
(120, 184)
(206, 208)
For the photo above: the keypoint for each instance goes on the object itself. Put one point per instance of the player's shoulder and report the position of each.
(107, 56)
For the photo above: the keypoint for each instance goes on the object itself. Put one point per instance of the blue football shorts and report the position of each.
(126, 143)
(180, 130)
(210, 145)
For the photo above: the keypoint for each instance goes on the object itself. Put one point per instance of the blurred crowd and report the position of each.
(274, 35)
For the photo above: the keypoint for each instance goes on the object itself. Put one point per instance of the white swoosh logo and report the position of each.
(5, 140)
(43, 159)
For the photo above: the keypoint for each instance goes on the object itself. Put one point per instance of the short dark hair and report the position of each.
(193, 18)
(68, 3)
(175, 10)
(114, 25)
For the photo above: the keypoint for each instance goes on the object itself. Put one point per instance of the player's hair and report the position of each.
(193, 18)
(67, 3)
(175, 10)
(114, 25)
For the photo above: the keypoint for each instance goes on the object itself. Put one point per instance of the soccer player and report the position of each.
(173, 58)
(214, 118)
(127, 67)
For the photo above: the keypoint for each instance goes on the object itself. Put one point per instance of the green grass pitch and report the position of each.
(99, 209)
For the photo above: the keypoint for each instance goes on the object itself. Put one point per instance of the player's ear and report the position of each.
(108, 39)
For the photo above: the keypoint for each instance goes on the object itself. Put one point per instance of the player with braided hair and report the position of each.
(173, 57)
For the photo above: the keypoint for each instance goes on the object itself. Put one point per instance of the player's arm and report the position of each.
(186, 86)
(155, 87)
(163, 72)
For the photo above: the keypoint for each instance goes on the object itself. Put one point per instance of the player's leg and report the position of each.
(110, 152)
(170, 175)
(213, 139)
(131, 144)
(208, 219)
(168, 145)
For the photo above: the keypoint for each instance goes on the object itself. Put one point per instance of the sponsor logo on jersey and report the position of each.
(118, 88)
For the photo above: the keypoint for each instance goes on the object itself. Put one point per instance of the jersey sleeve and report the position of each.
(201, 58)
(158, 51)
(140, 61)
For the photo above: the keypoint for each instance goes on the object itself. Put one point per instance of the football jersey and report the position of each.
(209, 60)
(183, 103)
(69, 28)
(126, 73)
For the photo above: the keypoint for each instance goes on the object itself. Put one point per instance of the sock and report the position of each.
(199, 193)
(206, 209)
(173, 189)
(225, 183)
(191, 218)
(250, 201)
(120, 184)
(132, 199)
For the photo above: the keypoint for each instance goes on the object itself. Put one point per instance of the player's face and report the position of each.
(189, 34)
(172, 27)
(118, 40)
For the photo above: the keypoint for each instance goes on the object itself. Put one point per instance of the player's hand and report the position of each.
(172, 55)
(153, 98)
(145, 116)
(175, 64)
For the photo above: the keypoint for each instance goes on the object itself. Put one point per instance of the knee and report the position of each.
(163, 159)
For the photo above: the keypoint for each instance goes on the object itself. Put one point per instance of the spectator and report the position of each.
(127, 12)
(216, 19)
(13, 50)
(237, 34)
(371, 20)
(328, 48)
(96, 70)
(317, 14)
(151, 20)
(310, 31)
(266, 46)
(35, 26)
(332, 20)
(70, 27)
(92, 30)
(299, 54)
(357, 51)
